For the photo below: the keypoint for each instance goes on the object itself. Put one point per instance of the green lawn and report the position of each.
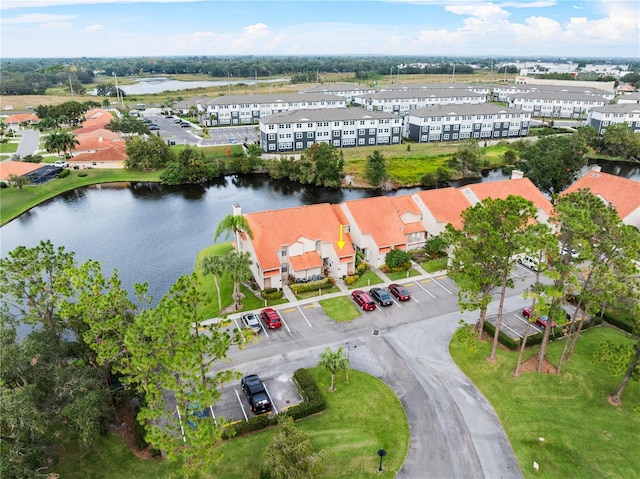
(315, 294)
(434, 265)
(369, 278)
(584, 437)
(349, 433)
(340, 309)
(15, 201)
(403, 274)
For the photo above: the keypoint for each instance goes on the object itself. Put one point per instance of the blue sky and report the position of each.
(130, 28)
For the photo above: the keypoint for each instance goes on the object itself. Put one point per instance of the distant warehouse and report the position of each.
(341, 127)
(459, 122)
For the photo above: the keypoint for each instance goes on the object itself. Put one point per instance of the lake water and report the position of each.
(153, 233)
(149, 86)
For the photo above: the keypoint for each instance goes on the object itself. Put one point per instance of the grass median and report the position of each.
(583, 436)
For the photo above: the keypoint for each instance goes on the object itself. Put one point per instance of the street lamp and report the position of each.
(381, 453)
(118, 90)
(349, 348)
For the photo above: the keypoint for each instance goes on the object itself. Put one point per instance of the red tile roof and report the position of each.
(17, 168)
(622, 193)
(100, 132)
(277, 228)
(20, 117)
(305, 261)
(446, 205)
(379, 218)
(516, 187)
(89, 144)
(116, 153)
(94, 120)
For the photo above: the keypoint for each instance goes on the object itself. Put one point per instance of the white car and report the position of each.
(61, 164)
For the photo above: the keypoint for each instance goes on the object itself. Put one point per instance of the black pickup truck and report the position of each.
(256, 394)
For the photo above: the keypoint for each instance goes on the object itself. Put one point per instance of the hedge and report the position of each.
(325, 283)
(271, 293)
(312, 402)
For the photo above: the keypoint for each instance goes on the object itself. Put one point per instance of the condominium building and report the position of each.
(249, 109)
(480, 88)
(600, 118)
(556, 104)
(400, 102)
(346, 90)
(503, 92)
(458, 122)
(341, 127)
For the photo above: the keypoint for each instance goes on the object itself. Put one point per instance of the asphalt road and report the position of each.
(455, 432)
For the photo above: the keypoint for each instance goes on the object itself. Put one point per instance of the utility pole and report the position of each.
(453, 77)
(70, 85)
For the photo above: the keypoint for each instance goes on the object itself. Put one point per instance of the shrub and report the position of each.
(64, 173)
(362, 267)
(325, 283)
(82, 174)
(272, 293)
(3, 184)
(397, 258)
(349, 280)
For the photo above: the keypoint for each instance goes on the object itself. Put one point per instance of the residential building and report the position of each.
(297, 243)
(249, 109)
(458, 122)
(112, 157)
(480, 88)
(94, 119)
(621, 193)
(400, 102)
(345, 90)
(600, 85)
(503, 92)
(631, 97)
(629, 113)
(556, 104)
(341, 127)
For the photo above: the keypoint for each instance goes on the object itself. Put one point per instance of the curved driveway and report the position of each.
(455, 433)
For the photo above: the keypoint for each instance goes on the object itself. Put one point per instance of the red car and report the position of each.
(271, 318)
(540, 321)
(399, 292)
(363, 300)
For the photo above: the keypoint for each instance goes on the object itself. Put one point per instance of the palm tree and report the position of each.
(60, 141)
(47, 123)
(334, 362)
(238, 266)
(214, 265)
(233, 224)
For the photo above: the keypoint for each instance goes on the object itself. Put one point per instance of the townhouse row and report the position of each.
(324, 239)
(306, 241)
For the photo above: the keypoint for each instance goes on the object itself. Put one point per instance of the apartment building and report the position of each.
(556, 104)
(399, 102)
(480, 88)
(600, 118)
(459, 122)
(503, 92)
(341, 127)
(345, 90)
(249, 109)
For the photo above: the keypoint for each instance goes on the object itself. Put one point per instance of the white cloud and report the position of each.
(6, 4)
(94, 28)
(35, 18)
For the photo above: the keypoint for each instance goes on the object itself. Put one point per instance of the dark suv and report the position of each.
(381, 296)
(256, 394)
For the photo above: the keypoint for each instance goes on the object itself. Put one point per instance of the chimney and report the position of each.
(517, 175)
(596, 168)
(237, 211)
(100, 138)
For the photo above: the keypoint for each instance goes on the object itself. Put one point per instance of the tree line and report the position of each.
(35, 76)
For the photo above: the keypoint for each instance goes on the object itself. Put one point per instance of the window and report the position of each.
(272, 136)
(299, 145)
(372, 131)
(336, 143)
(336, 132)
(309, 134)
(360, 141)
(298, 135)
(372, 141)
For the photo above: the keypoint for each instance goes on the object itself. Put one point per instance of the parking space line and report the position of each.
(273, 406)
(426, 290)
(282, 319)
(312, 305)
(288, 310)
(533, 325)
(262, 325)
(241, 406)
(441, 285)
(235, 321)
(213, 415)
(305, 317)
(503, 325)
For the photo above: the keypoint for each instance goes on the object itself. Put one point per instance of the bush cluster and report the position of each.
(349, 280)
(362, 267)
(325, 283)
(64, 173)
(271, 293)
(312, 402)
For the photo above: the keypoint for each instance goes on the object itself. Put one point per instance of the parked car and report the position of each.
(529, 262)
(154, 127)
(400, 292)
(256, 394)
(565, 252)
(61, 164)
(177, 120)
(271, 318)
(252, 322)
(185, 124)
(363, 300)
(233, 141)
(540, 320)
(146, 120)
(381, 296)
